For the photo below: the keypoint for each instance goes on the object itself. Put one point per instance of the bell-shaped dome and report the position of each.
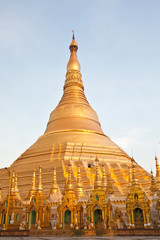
(73, 110)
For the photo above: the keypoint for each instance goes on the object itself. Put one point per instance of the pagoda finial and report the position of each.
(16, 187)
(55, 195)
(97, 182)
(54, 184)
(1, 199)
(109, 184)
(157, 169)
(73, 63)
(69, 183)
(104, 178)
(73, 34)
(34, 180)
(16, 184)
(153, 184)
(79, 188)
(40, 180)
(13, 183)
(78, 176)
(31, 193)
(130, 176)
(135, 181)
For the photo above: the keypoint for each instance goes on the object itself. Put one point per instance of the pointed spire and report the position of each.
(109, 184)
(73, 46)
(157, 169)
(40, 180)
(135, 181)
(153, 184)
(32, 192)
(1, 199)
(12, 191)
(16, 187)
(73, 63)
(65, 186)
(54, 184)
(104, 178)
(69, 183)
(79, 188)
(130, 175)
(34, 181)
(97, 182)
(78, 177)
(16, 184)
(55, 195)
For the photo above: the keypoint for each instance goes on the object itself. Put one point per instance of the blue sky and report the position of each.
(119, 54)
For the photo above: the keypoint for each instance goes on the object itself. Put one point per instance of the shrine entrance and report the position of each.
(67, 219)
(138, 218)
(32, 219)
(3, 217)
(98, 218)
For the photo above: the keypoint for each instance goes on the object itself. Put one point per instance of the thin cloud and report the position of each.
(132, 138)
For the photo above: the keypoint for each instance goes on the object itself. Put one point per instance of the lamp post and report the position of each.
(10, 176)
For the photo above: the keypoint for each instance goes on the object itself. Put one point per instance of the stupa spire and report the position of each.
(104, 178)
(16, 187)
(40, 180)
(16, 184)
(130, 175)
(109, 184)
(1, 198)
(34, 181)
(135, 181)
(73, 63)
(157, 169)
(54, 184)
(98, 181)
(79, 188)
(153, 184)
(54, 193)
(69, 183)
(32, 192)
(12, 191)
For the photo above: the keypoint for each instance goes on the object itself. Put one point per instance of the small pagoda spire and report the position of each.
(104, 178)
(135, 181)
(34, 181)
(1, 198)
(12, 191)
(130, 175)
(40, 180)
(16, 184)
(97, 182)
(153, 184)
(69, 183)
(157, 169)
(31, 193)
(79, 188)
(109, 184)
(54, 184)
(55, 195)
(16, 187)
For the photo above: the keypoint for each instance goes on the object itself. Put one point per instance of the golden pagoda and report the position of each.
(75, 132)
(96, 190)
